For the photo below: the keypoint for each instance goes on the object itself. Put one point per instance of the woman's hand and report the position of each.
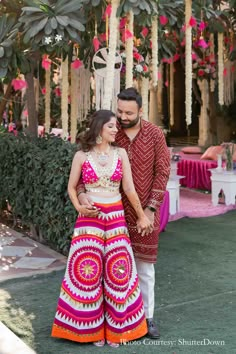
(90, 211)
(144, 225)
(87, 207)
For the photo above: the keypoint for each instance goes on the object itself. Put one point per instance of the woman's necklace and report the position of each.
(102, 156)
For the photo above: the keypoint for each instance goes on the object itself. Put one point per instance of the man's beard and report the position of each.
(130, 124)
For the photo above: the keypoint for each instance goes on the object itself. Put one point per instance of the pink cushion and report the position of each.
(191, 150)
(212, 152)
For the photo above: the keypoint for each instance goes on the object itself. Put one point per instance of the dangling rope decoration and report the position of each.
(228, 83)
(64, 97)
(204, 118)
(172, 94)
(110, 70)
(154, 39)
(46, 64)
(188, 62)
(144, 94)
(221, 68)
(74, 102)
(83, 98)
(129, 46)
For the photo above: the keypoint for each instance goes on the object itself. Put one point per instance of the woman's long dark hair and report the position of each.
(96, 123)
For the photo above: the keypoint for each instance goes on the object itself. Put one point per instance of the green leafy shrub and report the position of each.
(34, 176)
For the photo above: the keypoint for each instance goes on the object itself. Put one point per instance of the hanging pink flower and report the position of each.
(225, 72)
(25, 113)
(76, 64)
(137, 56)
(167, 83)
(46, 63)
(192, 22)
(19, 84)
(126, 35)
(144, 32)
(202, 25)
(43, 91)
(183, 29)
(145, 68)
(123, 21)
(96, 44)
(57, 92)
(107, 12)
(103, 37)
(226, 40)
(201, 72)
(202, 43)
(163, 20)
(176, 57)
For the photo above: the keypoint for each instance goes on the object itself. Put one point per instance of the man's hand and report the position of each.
(87, 207)
(150, 214)
(144, 225)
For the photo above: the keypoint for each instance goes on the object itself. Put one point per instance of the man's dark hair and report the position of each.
(130, 94)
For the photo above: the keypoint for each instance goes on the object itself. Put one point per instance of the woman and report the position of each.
(100, 299)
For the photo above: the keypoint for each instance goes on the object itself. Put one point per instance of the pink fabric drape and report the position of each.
(196, 172)
(164, 212)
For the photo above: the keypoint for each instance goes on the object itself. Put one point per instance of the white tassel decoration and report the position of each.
(110, 70)
(64, 98)
(154, 38)
(188, 62)
(220, 68)
(129, 47)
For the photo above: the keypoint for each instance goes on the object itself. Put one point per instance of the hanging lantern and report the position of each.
(188, 62)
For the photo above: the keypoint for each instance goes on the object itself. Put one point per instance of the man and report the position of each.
(150, 163)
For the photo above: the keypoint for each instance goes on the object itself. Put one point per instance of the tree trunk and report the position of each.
(31, 104)
(5, 98)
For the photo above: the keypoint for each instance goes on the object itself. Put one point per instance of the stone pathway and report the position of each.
(21, 256)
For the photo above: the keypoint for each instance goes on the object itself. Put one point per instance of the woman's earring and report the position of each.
(99, 139)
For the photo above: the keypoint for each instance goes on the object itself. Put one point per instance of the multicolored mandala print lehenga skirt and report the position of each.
(100, 295)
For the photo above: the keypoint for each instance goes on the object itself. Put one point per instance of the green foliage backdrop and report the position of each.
(34, 176)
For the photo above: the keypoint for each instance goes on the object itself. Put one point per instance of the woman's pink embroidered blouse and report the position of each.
(106, 177)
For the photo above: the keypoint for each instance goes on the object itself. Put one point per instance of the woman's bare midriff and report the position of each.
(103, 194)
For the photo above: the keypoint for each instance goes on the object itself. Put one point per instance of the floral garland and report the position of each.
(154, 39)
(221, 68)
(188, 62)
(129, 46)
(212, 54)
(109, 79)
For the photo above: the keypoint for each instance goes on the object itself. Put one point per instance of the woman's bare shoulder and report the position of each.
(80, 156)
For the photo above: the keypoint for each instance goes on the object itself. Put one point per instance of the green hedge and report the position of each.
(33, 179)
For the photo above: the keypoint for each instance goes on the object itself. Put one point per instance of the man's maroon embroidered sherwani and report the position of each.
(150, 163)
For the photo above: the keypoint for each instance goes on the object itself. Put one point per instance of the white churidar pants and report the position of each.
(146, 275)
